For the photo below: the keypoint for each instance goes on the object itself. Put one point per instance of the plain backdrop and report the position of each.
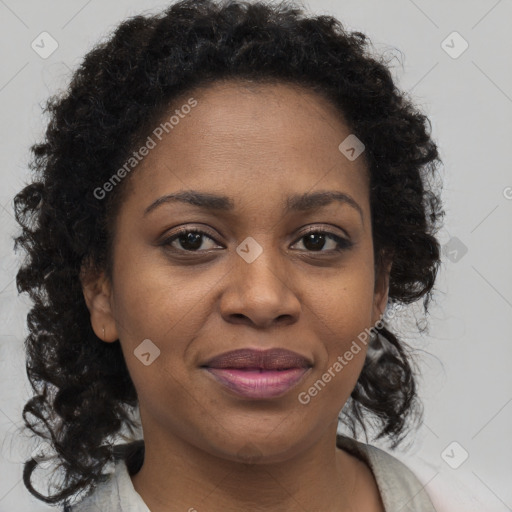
(453, 57)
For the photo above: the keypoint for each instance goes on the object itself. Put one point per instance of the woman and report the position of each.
(227, 199)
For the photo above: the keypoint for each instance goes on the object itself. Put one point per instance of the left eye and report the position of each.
(315, 241)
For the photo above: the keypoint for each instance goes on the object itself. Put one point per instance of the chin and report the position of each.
(257, 449)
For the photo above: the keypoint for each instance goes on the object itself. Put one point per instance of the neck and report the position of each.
(318, 477)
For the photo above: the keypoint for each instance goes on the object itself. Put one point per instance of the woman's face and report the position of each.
(253, 280)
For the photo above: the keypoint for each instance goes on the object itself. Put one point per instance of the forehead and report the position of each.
(251, 137)
(279, 115)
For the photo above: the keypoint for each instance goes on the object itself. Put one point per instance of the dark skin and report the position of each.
(207, 449)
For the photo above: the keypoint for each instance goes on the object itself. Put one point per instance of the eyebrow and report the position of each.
(294, 203)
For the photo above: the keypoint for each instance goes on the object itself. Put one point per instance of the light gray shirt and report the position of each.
(400, 489)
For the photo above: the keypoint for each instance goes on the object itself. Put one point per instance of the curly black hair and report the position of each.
(83, 394)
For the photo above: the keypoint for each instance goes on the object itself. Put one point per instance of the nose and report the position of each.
(260, 293)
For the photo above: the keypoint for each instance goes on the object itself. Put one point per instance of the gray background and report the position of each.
(466, 379)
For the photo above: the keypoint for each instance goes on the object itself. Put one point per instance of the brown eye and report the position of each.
(317, 240)
(190, 240)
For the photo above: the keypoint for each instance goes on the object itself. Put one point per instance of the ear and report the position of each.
(381, 290)
(97, 291)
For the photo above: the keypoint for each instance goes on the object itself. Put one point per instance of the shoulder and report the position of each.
(100, 497)
(399, 487)
(115, 491)
(114, 494)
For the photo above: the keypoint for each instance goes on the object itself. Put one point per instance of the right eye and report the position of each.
(190, 240)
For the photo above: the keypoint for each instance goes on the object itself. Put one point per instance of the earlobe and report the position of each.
(381, 292)
(97, 293)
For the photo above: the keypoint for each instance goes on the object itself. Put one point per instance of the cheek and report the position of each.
(342, 312)
(154, 300)
(340, 355)
(343, 305)
(156, 303)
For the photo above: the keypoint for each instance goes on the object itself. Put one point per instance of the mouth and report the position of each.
(258, 374)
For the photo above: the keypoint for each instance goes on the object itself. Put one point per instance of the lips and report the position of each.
(256, 374)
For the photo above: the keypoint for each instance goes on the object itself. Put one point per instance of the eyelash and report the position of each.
(342, 243)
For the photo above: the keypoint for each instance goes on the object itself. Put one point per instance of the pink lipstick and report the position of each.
(258, 374)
